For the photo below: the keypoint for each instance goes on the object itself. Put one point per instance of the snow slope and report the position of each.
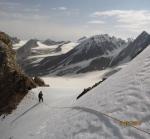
(125, 96)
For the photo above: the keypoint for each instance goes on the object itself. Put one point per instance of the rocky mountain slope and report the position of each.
(14, 84)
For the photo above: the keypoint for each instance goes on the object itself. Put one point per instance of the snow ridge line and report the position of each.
(106, 115)
(80, 108)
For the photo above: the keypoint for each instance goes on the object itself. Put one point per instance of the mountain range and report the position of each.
(98, 52)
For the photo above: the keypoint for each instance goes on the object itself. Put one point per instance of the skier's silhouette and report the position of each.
(40, 96)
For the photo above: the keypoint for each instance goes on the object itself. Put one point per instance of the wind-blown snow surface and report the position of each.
(125, 96)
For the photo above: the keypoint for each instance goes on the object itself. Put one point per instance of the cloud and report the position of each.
(9, 5)
(12, 8)
(96, 22)
(2, 3)
(129, 19)
(60, 8)
(22, 16)
(44, 29)
(64, 11)
(31, 10)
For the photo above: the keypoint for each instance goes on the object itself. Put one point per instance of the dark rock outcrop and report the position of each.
(86, 90)
(39, 81)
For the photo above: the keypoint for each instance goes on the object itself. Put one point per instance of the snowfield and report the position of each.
(49, 51)
(79, 81)
(124, 96)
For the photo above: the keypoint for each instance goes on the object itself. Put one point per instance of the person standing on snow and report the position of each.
(40, 96)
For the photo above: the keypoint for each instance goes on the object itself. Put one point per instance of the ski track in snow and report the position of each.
(125, 96)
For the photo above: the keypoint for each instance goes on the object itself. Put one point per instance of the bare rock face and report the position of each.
(14, 84)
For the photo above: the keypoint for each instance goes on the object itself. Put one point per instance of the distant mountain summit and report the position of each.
(96, 46)
(26, 50)
(51, 42)
(133, 49)
(82, 39)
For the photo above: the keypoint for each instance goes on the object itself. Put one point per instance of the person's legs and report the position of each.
(42, 99)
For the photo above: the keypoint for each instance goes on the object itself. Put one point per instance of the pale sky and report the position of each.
(72, 19)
